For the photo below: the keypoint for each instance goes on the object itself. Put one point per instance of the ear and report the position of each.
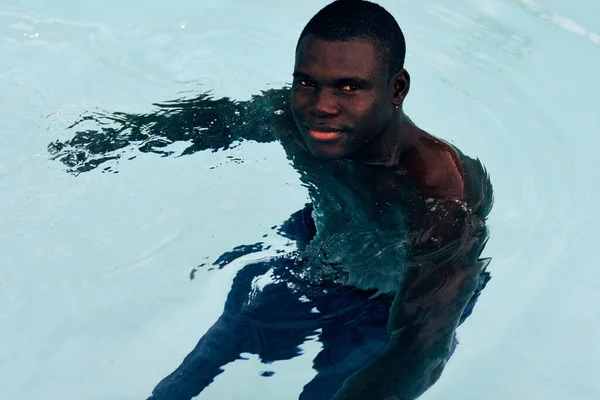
(400, 85)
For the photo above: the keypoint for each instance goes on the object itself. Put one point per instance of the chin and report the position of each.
(327, 153)
(328, 150)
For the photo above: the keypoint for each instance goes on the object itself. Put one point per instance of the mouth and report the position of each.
(324, 134)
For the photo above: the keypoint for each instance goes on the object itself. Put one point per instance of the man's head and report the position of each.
(349, 81)
(345, 20)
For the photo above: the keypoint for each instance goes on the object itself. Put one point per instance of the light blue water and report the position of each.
(95, 298)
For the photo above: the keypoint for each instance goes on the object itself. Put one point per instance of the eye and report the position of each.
(349, 88)
(304, 82)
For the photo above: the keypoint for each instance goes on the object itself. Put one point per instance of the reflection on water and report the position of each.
(201, 122)
(382, 272)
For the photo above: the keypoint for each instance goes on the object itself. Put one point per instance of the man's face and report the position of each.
(341, 96)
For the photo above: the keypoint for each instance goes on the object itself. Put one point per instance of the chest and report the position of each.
(360, 214)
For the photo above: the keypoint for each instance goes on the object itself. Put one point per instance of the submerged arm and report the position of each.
(202, 123)
(442, 277)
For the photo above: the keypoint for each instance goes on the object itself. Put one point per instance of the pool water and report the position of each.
(96, 300)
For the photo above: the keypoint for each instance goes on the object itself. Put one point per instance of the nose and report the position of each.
(324, 104)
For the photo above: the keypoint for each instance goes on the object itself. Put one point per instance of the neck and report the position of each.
(386, 148)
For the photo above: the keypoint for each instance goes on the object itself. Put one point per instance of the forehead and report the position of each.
(321, 58)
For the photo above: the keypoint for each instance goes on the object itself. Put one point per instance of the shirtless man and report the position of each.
(395, 212)
(387, 262)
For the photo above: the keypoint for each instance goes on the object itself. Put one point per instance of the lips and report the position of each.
(324, 134)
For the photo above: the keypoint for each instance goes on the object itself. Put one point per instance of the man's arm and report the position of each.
(443, 275)
(203, 123)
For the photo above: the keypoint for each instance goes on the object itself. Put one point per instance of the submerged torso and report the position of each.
(366, 218)
(360, 217)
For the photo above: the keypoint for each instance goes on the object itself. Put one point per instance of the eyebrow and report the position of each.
(343, 81)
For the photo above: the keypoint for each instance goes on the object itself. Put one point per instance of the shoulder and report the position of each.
(436, 167)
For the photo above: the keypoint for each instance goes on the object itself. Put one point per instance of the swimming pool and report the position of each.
(95, 291)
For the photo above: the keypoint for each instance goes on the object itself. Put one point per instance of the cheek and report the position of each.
(293, 99)
(296, 105)
(368, 124)
(367, 115)
(299, 97)
(369, 106)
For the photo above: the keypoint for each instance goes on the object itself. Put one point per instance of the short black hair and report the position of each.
(345, 20)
